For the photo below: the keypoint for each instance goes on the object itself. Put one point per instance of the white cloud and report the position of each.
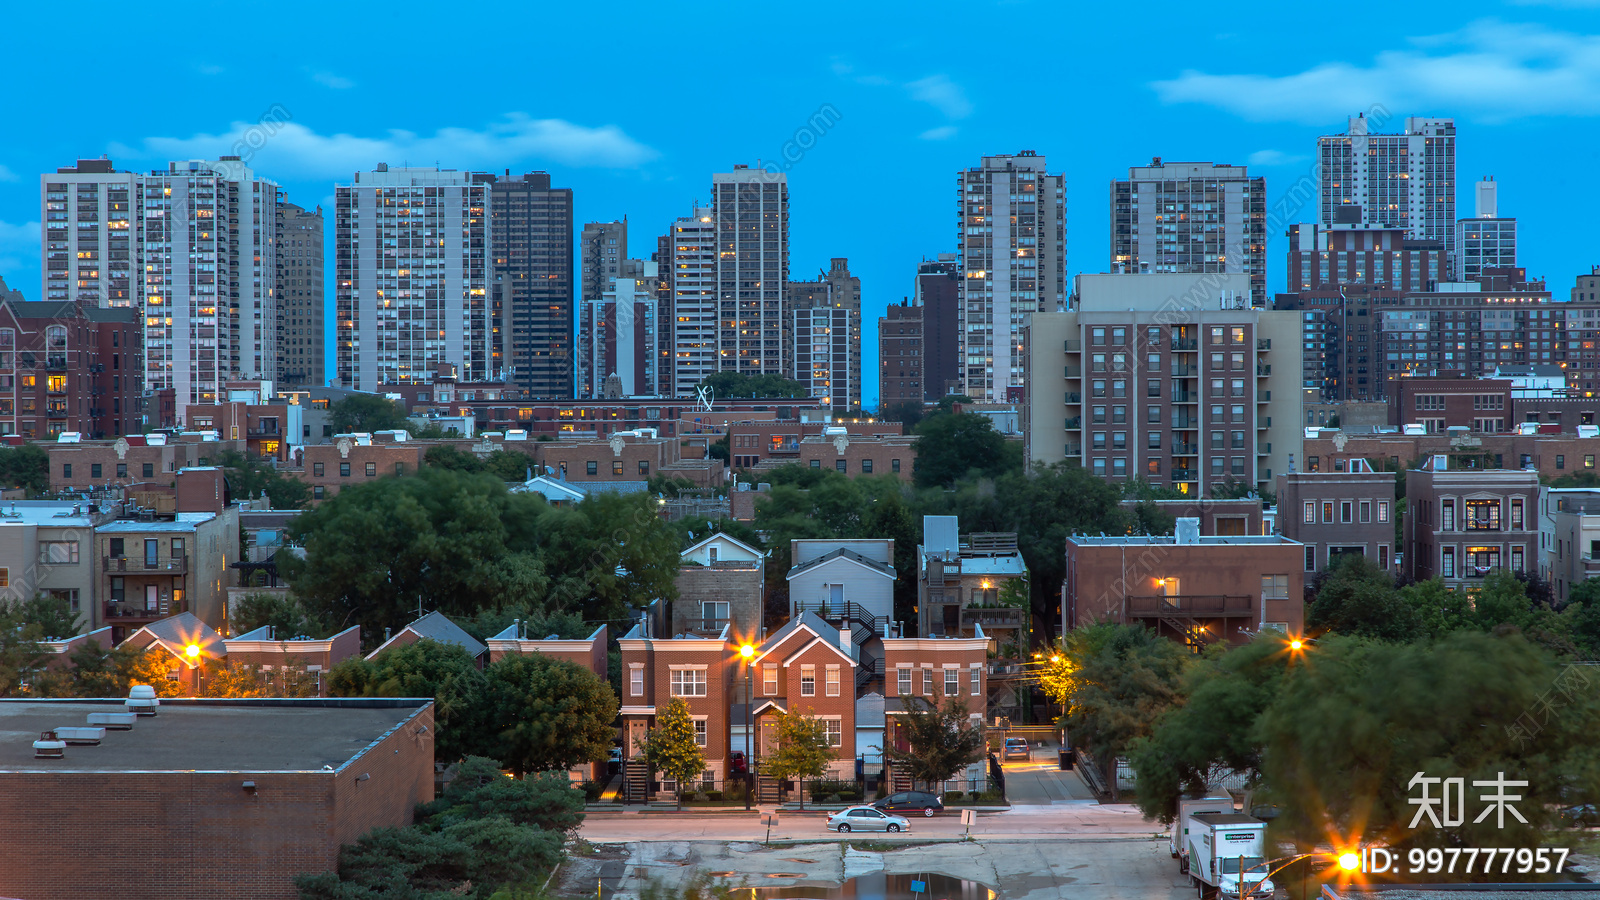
(942, 133)
(19, 250)
(294, 150)
(1488, 68)
(1273, 158)
(7, 175)
(943, 94)
(328, 79)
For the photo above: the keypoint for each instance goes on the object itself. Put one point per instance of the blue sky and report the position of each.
(633, 106)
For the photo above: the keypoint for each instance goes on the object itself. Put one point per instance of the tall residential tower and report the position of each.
(1191, 217)
(533, 308)
(1012, 243)
(751, 209)
(1405, 180)
(300, 294)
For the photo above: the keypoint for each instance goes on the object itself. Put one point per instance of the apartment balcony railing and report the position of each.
(711, 626)
(1263, 343)
(1074, 423)
(1074, 397)
(1185, 371)
(1185, 396)
(1264, 397)
(171, 565)
(1191, 605)
(1263, 371)
(1072, 345)
(1002, 617)
(1181, 449)
(133, 613)
(1185, 475)
(1073, 372)
(1185, 343)
(1263, 449)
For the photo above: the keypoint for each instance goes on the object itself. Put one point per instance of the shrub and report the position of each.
(688, 795)
(955, 796)
(822, 789)
(714, 796)
(850, 796)
(592, 790)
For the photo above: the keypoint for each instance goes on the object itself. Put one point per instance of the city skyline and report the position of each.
(315, 123)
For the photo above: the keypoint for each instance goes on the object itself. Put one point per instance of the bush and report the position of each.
(823, 789)
(592, 790)
(850, 796)
(688, 796)
(955, 796)
(714, 796)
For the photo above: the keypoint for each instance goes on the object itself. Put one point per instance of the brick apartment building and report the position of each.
(959, 581)
(271, 430)
(357, 459)
(1198, 589)
(69, 367)
(227, 797)
(901, 353)
(752, 443)
(1462, 524)
(721, 583)
(627, 456)
(880, 454)
(830, 665)
(315, 656)
(1338, 513)
(1551, 455)
(135, 461)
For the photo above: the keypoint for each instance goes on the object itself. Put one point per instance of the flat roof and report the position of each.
(182, 522)
(206, 735)
(1206, 540)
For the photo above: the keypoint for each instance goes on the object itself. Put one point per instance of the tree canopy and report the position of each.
(803, 750)
(546, 713)
(254, 476)
(367, 413)
(950, 446)
(737, 384)
(426, 668)
(941, 740)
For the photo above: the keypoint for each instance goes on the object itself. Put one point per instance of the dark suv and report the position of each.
(910, 802)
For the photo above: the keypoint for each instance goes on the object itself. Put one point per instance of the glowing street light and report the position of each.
(192, 651)
(1349, 860)
(1296, 644)
(747, 652)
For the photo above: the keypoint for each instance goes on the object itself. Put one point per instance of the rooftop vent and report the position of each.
(1187, 531)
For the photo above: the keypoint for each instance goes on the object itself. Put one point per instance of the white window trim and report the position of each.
(705, 720)
(831, 681)
(976, 677)
(805, 672)
(636, 679)
(825, 720)
(769, 681)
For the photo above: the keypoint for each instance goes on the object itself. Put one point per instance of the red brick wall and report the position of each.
(166, 835)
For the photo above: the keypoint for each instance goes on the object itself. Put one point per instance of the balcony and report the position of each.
(1073, 346)
(1263, 449)
(707, 626)
(1074, 423)
(1185, 475)
(1264, 397)
(1185, 396)
(1182, 449)
(1263, 371)
(1186, 343)
(1263, 343)
(1074, 372)
(992, 617)
(135, 614)
(168, 565)
(1226, 605)
(1074, 397)
(256, 432)
(1185, 370)
(1074, 450)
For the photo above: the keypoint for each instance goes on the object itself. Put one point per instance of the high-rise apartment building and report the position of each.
(602, 251)
(533, 310)
(92, 226)
(938, 292)
(694, 268)
(900, 357)
(210, 278)
(1405, 180)
(1193, 217)
(1012, 242)
(300, 295)
(1328, 258)
(411, 278)
(751, 210)
(1485, 241)
(619, 349)
(1176, 379)
(666, 321)
(823, 336)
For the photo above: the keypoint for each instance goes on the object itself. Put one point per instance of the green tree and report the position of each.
(1354, 596)
(1191, 745)
(426, 668)
(803, 750)
(444, 456)
(565, 625)
(670, 748)
(25, 466)
(233, 679)
(22, 656)
(940, 740)
(447, 540)
(467, 859)
(254, 476)
(719, 449)
(951, 445)
(367, 413)
(547, 713)
(907, 413)
(511, 465)
(736, 384)
(1348, 732)
(283, 612)
(1123, 678)
(547, 801)
(100, 672)
(51, 617)
(150, 667)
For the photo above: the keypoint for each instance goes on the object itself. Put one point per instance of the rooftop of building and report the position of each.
(50, 513)
(1204, 540)
(207, 735)
(437, 626)
(181, 523)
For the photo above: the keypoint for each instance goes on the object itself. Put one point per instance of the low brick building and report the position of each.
(132, 461)
(751, 443)
(211, 798)
(1339, 513)
(883, 454)
(272, 429)
(356, 459)
(315, 656)
(1553, 455)
(1192, 588)
(721, 582)
(627, 456)
(1462, 524)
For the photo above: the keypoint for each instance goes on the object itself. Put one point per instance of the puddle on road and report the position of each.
(881, 886)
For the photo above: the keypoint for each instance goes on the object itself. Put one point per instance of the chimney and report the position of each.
(845, 643)
(200, 490)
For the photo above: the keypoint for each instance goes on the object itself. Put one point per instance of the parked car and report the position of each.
(614, 761)
(1017, 748)
(866, 818)
(910, 801)
(1582, 816)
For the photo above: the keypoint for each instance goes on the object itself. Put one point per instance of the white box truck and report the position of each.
(1188, 806)
(1227, 856)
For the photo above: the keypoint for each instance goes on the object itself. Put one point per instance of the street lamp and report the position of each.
(748, 654)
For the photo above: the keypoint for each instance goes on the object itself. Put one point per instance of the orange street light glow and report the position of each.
(1295, 644)
(192, 651)
(747, 651)
(1349, 861)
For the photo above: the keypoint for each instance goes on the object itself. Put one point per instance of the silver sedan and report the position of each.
(865, 818)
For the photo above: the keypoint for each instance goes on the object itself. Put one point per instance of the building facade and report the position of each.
(532, 304)
(1011, 240)
(823, 336)
(1460, 525)
(300, 295)
(211, 278)
(69, 368)
(901, 357)
(692, 277)
(1191, 217)
(1405, 180)
(1487, 240)
(412, 276)
(93, 235)
(620, 344)
(751, 212)
(1338, 513)
(938, 292)
(1328, 258)
(1167, 378)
